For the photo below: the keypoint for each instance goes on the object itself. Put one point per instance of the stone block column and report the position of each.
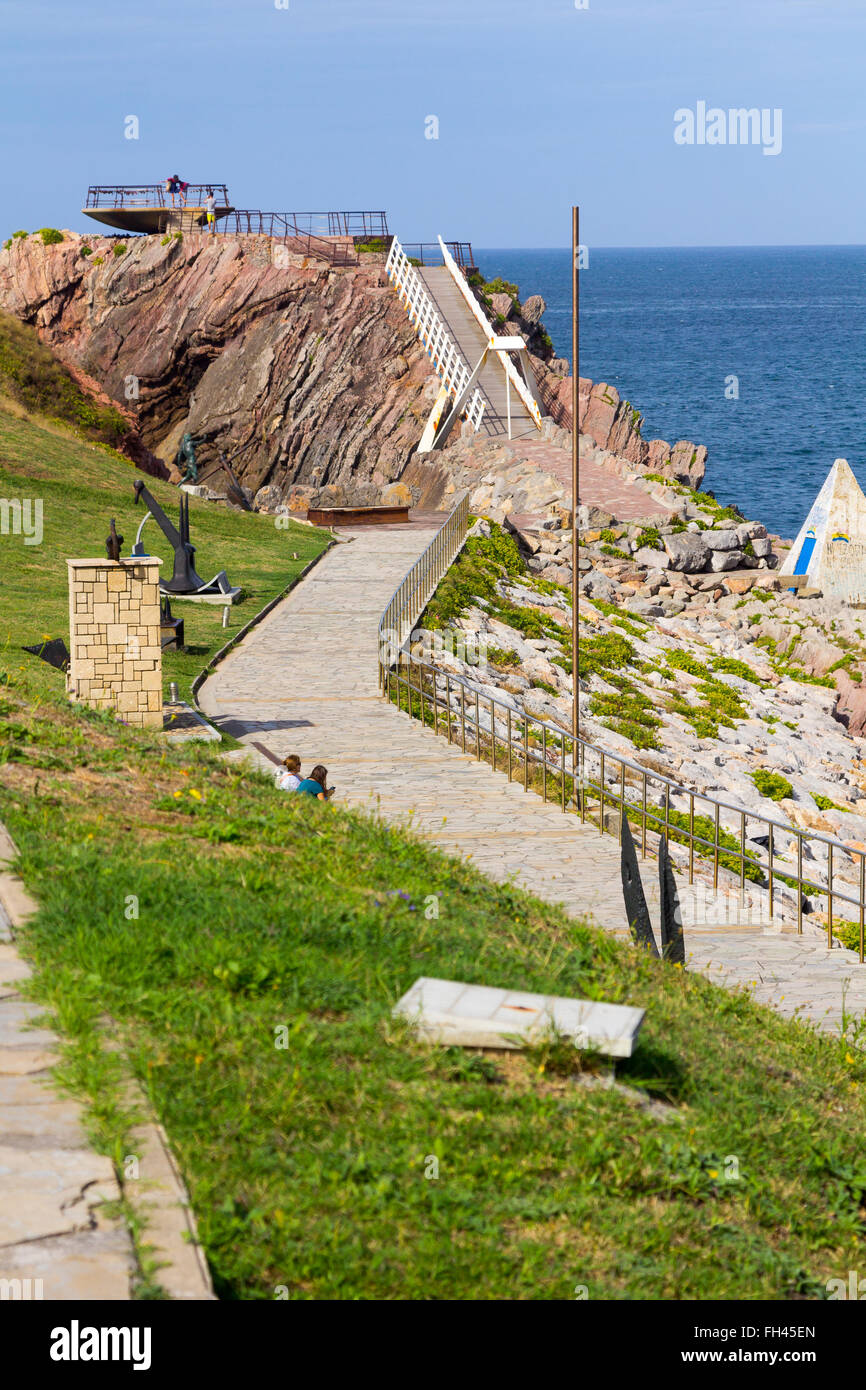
(114, 638)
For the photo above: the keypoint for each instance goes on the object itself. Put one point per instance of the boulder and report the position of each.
(687, 552)
(762, 546)
(741, 583)
(533, 308)
(597, 585)
(816, 655)
(721, 560)
(267, 499)
(651, 559)
(502, 304)
(688, 463)
(721, 540)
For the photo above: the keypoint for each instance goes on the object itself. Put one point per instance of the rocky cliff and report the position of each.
(309, 374)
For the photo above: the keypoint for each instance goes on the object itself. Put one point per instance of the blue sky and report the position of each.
(323, 105)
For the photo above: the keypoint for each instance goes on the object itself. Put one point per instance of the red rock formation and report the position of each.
(615, 425)
(309, 374)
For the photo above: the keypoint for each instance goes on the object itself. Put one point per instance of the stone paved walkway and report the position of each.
(599, 487)
(304, 681)
(53, 1186)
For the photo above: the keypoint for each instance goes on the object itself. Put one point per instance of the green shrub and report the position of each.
(650, 538)
(377, 245)
(772, 784)
(50, 236)
(732, 667)
(614, 551)
(118, 249)
(630, 712)
(20, 234)
(86, 251)
(824, 803)
(34, 378)
(97, 260)
(605, 653)
(500, 286)
(545, 686)
(502, 656)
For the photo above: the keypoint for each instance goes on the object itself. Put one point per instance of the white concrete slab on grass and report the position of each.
(451, 1012)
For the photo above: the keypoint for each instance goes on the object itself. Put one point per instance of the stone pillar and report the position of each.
(114, 639)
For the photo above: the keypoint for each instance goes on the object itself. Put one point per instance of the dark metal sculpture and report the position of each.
(236, 493)
(55, 652)
(185, 458)
(113, 542)
(184, 579)
(170, 627)
(640, 925)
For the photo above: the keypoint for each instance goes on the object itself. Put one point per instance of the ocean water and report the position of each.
(670, 327)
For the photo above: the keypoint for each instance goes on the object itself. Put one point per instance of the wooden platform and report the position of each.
(358, 516)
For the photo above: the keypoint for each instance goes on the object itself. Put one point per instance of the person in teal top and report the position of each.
(316, 784)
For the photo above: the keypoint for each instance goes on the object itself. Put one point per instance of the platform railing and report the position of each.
(732, 845)
(282, 227)
(430, 253)
(432, 331)
(153, 195)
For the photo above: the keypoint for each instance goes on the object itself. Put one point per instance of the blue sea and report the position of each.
(670, 328)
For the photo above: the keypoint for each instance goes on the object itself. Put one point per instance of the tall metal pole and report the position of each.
(575, 466)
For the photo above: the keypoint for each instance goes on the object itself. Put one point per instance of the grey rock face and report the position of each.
(687, 552)
(651, 559)
(721, 560)
(721, 540)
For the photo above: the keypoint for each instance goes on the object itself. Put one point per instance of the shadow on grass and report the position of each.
(657, 1072)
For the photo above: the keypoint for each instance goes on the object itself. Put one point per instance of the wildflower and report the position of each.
(194, 792)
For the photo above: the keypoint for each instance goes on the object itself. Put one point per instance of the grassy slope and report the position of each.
(82, 486)
(307, 1163)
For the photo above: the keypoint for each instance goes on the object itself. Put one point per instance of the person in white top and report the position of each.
(288, 778)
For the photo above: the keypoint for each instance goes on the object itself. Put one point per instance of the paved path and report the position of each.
(599, 486)
(53, 1229)
(304, 681)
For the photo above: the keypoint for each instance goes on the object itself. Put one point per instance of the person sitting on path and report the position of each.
(317, 784)
(288, 777)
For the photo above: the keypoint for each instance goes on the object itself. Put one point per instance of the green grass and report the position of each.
(33, 379)
(247, 948)
(252, 995)
(82, 486)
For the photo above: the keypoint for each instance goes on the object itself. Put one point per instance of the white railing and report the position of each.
(487, 328)
(432, 332)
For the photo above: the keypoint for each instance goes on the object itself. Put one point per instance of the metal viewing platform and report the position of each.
(147, 208)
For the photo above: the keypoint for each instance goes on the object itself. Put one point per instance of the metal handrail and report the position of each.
(487, 329)
(432, 331)
(282, 227)
(495, 728)
(150, 195)
(430, 253)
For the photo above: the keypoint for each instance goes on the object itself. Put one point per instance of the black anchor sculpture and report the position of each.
(113, 542)
(673, 942)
